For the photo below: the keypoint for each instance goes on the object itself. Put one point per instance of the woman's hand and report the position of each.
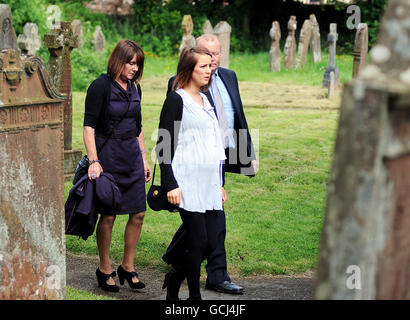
(147, 171)
(94, 170)
(174, 196)
(224, 195)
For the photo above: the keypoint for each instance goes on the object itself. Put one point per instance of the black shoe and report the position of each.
(125, 275)
(102, 281)
(225, 287)
(171, 285)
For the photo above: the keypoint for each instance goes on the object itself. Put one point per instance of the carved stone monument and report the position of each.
(32, 241)
(60, 42)
(7, 35)
(98, 39)
(274, 53)
(188, 39)
(223, 31)
(76, 26)
(361, 44)
(304, 41)
(29, 42)
(208, 29)
(315, 47)
(289, 52)
(111, 7)
(332, 38)
(364, 251)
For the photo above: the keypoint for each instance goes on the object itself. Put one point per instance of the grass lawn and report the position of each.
(274, 220)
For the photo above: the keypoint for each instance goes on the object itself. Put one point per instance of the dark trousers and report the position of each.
(216, 258)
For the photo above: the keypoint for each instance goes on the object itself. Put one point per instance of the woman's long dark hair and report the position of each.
(186, 65)
(123, 53)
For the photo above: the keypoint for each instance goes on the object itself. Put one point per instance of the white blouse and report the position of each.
(197, 162)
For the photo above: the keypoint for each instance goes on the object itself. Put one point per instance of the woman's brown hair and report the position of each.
(123, 53)
(186, 65)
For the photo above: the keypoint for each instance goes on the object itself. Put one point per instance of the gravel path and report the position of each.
(81, 275)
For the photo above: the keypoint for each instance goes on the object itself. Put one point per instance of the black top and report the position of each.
(96, 105)
(171, 112)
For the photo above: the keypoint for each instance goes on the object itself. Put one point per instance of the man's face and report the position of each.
(214, 48)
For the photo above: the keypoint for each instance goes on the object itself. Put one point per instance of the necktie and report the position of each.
(220, 111)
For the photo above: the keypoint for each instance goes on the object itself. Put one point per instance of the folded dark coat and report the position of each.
(84, 201)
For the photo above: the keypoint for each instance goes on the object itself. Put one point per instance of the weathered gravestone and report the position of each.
(365, 245)
(223, 32)
(208, 29)
(7, 35)
(32, 241)
(98, 39)
(332, 38)
(360, 49)
(315, 48)
(76, 26)
(188, 39)
(304, 41)
(29, 42)
(289, 52)
(60, 42)
(274, 53)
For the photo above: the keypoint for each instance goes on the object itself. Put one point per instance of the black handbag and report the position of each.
(157, 197)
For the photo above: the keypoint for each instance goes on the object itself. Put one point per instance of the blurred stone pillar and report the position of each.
(223, 31)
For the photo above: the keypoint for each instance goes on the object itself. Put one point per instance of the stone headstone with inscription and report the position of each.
(304, 41)
(315, 47)
(29, 42)
(208, 29)
(289, 52)
(223, 32)
(60, 41)
(364, 251)
(98, 39)
(361, 44)
(188, 40)
(32, 241)
(332, 39)
(7, 35)
(274, 53)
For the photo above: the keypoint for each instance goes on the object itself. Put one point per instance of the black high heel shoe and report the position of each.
(125, 275)
(172, 287)
(102, 279)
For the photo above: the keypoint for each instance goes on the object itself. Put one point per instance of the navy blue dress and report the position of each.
(121, 155)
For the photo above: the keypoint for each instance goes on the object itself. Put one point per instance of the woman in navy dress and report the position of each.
(112, 122)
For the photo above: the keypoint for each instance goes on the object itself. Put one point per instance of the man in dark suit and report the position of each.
(225, 98)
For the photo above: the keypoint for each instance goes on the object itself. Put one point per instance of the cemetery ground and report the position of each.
(274, 220)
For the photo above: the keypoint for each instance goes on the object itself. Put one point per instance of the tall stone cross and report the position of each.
(60, 41)
(332, 39)
(289, 51)
(29, 42)
(361, 44)
(365, 245)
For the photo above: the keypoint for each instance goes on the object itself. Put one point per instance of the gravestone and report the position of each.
(76, 26)
(304, 41)
(98, 39)
(208, 29)
(360, 49)
(274, 53)
(223, 32)
(188, 39)
(331, 88)
(60, 42)
(32, 241)
(364, 251)
(29, 42)
(332, 38)
(111, 7)
(7, 35)
(289, 52)
(315, 47)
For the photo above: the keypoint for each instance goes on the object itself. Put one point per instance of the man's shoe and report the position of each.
(225, 287)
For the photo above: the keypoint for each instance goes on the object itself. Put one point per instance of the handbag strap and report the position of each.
(153, 175)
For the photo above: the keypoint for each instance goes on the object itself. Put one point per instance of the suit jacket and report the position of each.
(230, 81)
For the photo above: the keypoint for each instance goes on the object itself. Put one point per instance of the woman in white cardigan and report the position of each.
(191, 164)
